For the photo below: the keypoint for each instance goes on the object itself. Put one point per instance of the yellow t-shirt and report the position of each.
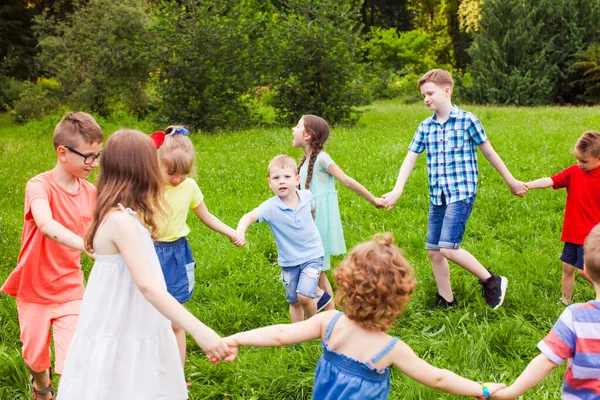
(181, 199)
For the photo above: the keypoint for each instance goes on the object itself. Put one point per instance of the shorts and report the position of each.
(35, 320)
(446, 223)
(573, 254)
(301, 279)
(178, 267)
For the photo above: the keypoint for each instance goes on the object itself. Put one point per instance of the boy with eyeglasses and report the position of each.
(47, 281)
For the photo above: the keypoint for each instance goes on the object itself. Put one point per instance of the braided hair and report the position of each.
(318, 130)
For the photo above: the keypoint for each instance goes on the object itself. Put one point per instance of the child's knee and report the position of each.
(447, 253)
(568, 269)
(434, 254)
(304, 300)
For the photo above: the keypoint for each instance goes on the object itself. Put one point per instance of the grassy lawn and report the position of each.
(238, 289)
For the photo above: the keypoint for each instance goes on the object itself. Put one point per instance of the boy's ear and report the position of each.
(448, 90)
(61, 153)
(298, 178)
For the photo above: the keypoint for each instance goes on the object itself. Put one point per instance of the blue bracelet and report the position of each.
(486, 391)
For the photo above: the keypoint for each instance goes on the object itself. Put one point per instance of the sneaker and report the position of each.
(441, 302)
(323, 301)
(494, 290)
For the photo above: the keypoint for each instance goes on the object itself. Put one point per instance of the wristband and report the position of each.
(486, 391)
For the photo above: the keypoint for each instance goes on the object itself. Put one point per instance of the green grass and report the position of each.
(238, 289)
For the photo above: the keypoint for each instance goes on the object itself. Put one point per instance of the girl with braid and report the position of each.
(317, 173)
(176, 158)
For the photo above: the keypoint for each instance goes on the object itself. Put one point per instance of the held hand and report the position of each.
(518, 188)
(378, 202)
(233, 347)
(237, 240)
(390, 199)
(214, 346)
(494, 387)
(90, 254)
(240, 237)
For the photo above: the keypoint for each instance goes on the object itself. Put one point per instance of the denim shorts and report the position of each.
(446, 224)
(301, 279)
(573, 254)
(178, 267)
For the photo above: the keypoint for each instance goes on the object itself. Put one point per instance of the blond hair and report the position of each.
(282, 161)
(176, 154)
(589, 143)
(591, 254)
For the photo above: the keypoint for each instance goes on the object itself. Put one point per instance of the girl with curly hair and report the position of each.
(375, 283)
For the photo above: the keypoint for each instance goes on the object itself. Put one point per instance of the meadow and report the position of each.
(239, 289)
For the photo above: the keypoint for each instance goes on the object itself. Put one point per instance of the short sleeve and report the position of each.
(562, 179)
(262, 211)
(196, 195)
(559, 344)
(36, 188)
(324, 161)
(417, 145)
(476, 131)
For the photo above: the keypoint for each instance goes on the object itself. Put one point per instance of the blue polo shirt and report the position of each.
(295, 232)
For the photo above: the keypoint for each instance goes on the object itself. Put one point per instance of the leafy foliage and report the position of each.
(589, 66)
(314, 50)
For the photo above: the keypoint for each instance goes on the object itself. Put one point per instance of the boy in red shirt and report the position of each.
(47, 281)
(582, 211)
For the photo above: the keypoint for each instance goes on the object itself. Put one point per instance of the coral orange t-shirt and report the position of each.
(48, 272)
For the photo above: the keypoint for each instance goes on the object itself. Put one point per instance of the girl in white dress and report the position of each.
(124, 347)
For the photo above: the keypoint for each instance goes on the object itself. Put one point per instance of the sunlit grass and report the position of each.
(238, 289)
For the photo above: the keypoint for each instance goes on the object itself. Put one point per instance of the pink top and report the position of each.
(48, 272)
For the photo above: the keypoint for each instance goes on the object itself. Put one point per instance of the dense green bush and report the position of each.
(96, 55)
(37, 100)
(314, 48)
(207, 56)
(10, 90)
(524, 51)
(589, 67)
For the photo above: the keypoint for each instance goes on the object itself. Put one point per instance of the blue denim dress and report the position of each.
(339, 377)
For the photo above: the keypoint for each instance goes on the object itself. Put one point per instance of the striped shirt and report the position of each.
(576, 337)
(451, 150)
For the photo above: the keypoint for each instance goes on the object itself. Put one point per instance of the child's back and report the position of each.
(349, 368)
(120, 334)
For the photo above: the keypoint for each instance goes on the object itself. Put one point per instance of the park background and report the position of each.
(240, 73)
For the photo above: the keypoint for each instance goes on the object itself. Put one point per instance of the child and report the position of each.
(450, 137)
(48, 282)
(582, 211)
(300, 251)
(317, 175)
(374, 284)
(575, 336)
(176, 156)
(124, 347)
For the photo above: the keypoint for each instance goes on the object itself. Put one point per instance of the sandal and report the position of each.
(35, 392)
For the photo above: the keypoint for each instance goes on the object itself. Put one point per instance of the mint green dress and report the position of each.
(328, 221)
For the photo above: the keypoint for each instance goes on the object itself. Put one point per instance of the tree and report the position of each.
(315, 48)
(528, 61)
(96, 56)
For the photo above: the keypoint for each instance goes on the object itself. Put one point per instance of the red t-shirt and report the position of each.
(582, 211)
(48, 272)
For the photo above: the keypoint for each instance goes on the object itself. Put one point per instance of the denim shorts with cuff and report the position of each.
(178, 267)
(573, 254)
(301, 279)
(446, 223)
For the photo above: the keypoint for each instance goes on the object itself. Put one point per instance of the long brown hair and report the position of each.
(318, 129)
(130, 175)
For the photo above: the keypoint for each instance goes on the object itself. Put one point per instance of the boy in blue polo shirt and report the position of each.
(300, 251)
(450, 138)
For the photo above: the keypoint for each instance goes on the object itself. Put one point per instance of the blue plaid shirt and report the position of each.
(451, 154)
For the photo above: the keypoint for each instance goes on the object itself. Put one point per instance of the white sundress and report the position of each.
(123, 348)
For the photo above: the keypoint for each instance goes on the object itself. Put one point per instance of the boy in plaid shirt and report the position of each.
(450, 138)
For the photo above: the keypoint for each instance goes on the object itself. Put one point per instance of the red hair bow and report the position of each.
(158, 138)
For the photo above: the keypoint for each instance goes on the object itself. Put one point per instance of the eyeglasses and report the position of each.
(87, 159)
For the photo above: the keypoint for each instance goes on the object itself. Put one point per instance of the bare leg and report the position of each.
(441, 273)
(308, 304)
(41, 381)
(181, 342)
(567, 283)
(326, 286)
(467, 261)
(296, 312)
(584, 275)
